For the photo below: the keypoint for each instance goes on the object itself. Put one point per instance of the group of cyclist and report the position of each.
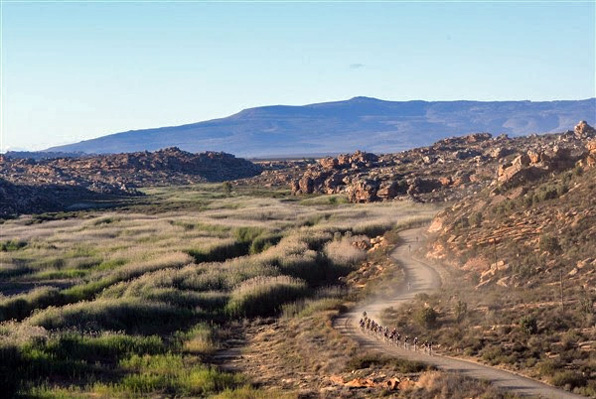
(393, 336)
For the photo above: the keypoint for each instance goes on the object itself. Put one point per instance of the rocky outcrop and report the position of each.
(118, 174)
(536, 163)
(122, 173)
(363, 191)
(16, 199)
(429, 173)
(449, 170)
(590, 160)
(584, 131)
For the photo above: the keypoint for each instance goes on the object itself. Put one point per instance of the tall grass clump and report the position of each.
(18, 307)
(131, 315)
(343, 253)
(128, 272)
(173, 374)
(264, 296)
(103, 346)
(221, 251)
(12, 245)
(264, 242)
(248, 392)
(373, 229)
(201, 339)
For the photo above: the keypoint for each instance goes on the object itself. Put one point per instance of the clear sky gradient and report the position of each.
(78, 70)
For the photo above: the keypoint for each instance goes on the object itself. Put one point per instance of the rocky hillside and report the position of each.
(451, 169)
(121, 172)
(16, 199)
(522, 251)
(29, 185)
(537, 219)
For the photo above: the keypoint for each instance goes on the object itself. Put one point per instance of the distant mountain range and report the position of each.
(343, 126)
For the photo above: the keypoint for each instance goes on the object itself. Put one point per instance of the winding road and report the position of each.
(423, 278)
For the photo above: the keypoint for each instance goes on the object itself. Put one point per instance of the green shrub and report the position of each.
(173, 374)
(12, 245)
(20, 306)
(529, 324)
(220, 252)
(248, 392)
(264, 296)
(247, 234)
(550, 244)
(475, 219)
(427, 317)
(74, 345)
(569, 379)
(130, 315)
(263, 242)
(461, 310)
(374, 360)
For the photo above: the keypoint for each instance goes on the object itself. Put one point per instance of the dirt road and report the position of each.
(422, 278)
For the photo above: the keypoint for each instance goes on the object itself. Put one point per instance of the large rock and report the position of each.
(388, 190)
(363, 191)
(419, 185)
(500, 152)
(584, 131)
(329, 163)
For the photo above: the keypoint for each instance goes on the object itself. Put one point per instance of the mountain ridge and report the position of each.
(343, 126)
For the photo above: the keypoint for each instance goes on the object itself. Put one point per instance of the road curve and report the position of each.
(423, 278)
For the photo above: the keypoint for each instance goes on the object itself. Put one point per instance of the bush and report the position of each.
(374, 360)
(220, 252)
(20, 306)
(247, 234)
(550, 244)
(248, 392)
(569, 379)
(131, 315)
(461, 310)
(174, 374)
(73, 345)
(427, 317)
(263, 242)
(343, 253)
(12, 245)
(529, 324)
(475, 219)
(200, 339)
(264, 296)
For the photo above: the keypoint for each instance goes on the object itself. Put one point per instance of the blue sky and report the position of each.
(78, 70)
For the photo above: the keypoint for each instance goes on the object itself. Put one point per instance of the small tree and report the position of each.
(227, 187)
(529, 324)
(427, 317)
(550, 244)
(461, 310)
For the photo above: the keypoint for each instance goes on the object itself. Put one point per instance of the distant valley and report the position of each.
(361, 123)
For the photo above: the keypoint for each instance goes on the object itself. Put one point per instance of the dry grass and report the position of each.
(131, 272)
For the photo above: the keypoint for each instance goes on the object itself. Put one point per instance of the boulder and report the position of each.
(388, 190)
(521, 160)
(418, 185)
(363, 191)
(534, 156)
(500, 152)
(445, 181)
(329, 162)
(584, 131)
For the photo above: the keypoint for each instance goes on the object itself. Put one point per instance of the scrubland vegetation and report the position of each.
(521, 295)
(133, 302)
